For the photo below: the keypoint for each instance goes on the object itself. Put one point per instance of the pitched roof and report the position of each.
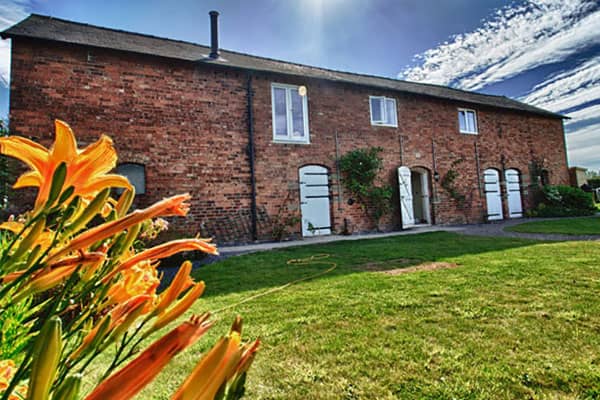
(49, 28)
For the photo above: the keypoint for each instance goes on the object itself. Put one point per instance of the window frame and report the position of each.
(305, 139)
(466, 111)
(383, 111)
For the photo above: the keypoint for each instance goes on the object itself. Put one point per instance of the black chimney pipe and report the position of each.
(214, 35)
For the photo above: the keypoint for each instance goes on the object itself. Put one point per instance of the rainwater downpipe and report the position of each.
(251, 153)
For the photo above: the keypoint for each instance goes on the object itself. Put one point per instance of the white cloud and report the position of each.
(568, 89)
(584, 114)
(516, 39)
(10, 12)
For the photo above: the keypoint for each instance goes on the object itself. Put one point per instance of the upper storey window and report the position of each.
(383, 111)
(290, 113)
(467, 121)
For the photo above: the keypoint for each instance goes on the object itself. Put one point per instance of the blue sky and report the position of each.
(544, 52)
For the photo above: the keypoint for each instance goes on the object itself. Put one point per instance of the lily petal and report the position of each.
(28, 151)
(31, 178)
(104, 181)
(65, 146)
(98, 158)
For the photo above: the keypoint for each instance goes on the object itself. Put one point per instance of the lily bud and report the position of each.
(47, 348)
(179, 308)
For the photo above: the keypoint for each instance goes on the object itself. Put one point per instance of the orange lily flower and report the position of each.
(7, 371)
(87, 169)
(132, 378)
(140, 279)
(175, 205)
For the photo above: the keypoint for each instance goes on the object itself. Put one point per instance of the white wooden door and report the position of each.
(513, 188)
(314, 200)
(493, 196)
(406, 197)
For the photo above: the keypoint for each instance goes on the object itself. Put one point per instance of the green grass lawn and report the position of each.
(516, 319)
(566, 226)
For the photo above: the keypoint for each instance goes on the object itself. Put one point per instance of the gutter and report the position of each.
(251, 156)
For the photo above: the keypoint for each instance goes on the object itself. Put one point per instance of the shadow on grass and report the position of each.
(269, 269)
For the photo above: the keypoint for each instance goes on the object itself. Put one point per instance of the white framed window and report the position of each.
(383, 111)
(290, 113)
(467, 121)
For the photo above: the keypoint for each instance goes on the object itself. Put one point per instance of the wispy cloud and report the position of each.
(11, 12)
(515, 39)
(584, 116)
(568, 89)
(518, 39)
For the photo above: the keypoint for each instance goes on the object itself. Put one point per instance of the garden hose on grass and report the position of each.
(312, 260)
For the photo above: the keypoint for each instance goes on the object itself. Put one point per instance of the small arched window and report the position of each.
(136, 174)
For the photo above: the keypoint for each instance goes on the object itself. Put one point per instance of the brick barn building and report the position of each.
(256, 140)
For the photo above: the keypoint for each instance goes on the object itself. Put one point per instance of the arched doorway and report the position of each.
(314, 200)
(413, 185)
(493, 195)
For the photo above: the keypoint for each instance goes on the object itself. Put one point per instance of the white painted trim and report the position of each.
(288, 101)
(383, 111)
(467, 110)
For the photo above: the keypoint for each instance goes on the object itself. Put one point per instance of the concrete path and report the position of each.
(251, 248)
(489, 229)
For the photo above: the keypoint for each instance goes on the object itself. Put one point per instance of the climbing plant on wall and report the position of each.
(359, 169)
(449, 182)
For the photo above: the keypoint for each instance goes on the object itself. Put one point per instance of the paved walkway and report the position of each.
(489, 229)
(497, 229)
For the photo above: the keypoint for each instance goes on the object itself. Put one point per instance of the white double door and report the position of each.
(493, 194)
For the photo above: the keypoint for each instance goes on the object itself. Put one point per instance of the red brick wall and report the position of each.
(188, 125)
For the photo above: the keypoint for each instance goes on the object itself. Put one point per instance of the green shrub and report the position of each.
(564, 201)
